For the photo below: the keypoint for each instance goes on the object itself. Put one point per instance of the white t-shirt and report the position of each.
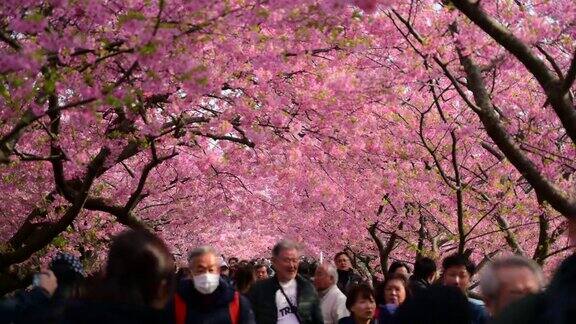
(333, 305)
(285, 315)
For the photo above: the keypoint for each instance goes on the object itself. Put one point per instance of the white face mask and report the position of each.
(206, 283)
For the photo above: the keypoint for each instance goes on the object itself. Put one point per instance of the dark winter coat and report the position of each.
(417, 286)
(212, 308)
(384, 316)
(478, 313)
(263, 299)
(350, 320)
(347, 279)
(25, 306)
(94, 312)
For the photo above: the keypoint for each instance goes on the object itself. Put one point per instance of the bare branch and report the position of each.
(570, 76)
(11, 42)
(545, 189)
(552, 85)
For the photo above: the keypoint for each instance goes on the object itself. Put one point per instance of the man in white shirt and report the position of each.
(332, 300)
(286, 298)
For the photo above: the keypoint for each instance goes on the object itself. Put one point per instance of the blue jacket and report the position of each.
(384, 316)
(27, 306)
(478, 312)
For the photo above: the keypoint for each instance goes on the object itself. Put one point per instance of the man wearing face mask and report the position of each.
(207, 298)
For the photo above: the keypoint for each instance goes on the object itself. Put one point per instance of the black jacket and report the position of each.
(263, 299)
(347, 279)
(93, 312)
(26, 306)
(350, 320)
(212, 308)
(417, 286)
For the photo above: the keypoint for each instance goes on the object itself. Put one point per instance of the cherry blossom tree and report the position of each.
(396, 128)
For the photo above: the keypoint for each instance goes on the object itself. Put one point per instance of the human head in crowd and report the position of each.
(398, 267)
(436, 305)
(285, 258)
(70, 274)
(395, 289)
(140, 270)
(204, 265)
(342, 261)
(224, 269)
(508, 279)
(425, 269)
(361, 303)
(306, 268)
(233, 261)
(260, 272)
(244, 278)
(325, 276)
(457, 271)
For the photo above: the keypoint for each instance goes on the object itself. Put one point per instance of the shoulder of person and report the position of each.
(356, 276)
(525, 310)
(184, 286)
(335, 291)
(304, 284)
(263, 285)
(475, 301)
(346, 320)
(244, 301)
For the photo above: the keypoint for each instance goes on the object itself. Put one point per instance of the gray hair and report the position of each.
(489, 282)
(331, 269)
(199, 251)
(284, 245)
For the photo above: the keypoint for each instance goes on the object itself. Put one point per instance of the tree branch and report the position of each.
(546, 190)
(45, 236)
(552, 85)
(11, 42)
(570, 76)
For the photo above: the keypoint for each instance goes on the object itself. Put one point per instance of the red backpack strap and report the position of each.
(179, 309)
(234, 308)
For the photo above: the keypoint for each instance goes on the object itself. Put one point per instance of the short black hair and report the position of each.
(342, 253)
(359, 291)
(456, 260)
(397, 265)
(424, 268)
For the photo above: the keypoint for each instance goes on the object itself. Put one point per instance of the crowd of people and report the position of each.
(141, 284)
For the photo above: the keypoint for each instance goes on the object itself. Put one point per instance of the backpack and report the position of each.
(233, 309)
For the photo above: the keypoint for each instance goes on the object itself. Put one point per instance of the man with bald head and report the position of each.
(332, 300)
